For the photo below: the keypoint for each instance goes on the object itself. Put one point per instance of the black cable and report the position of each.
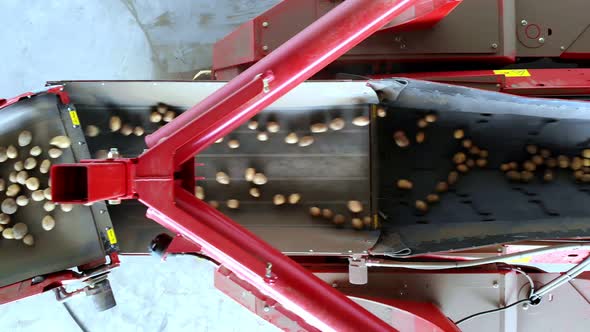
(75, 318)
(491, 311)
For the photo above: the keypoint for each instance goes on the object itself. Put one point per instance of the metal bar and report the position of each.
(293, 62)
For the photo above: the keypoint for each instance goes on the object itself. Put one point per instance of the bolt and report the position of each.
(525, 306)
(310, 250)
(541, 40)
(402, 46)
(114, 201)
(397, 39)
(80, 143)
(268, 270)
(524, 23)
(334, 284)
(350, 251)
(495, 284)
(102, 211)
(265, 24)
(562, 48)
(113, 153)
(265, 48)
(494, 46)
(266, 308)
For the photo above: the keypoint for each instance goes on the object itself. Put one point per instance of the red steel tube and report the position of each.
(293, 62)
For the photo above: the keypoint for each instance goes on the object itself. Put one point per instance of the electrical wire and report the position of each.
(462, 320)
(75, 318)
(515, 269)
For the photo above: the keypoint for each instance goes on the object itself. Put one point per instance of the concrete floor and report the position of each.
(124, 39)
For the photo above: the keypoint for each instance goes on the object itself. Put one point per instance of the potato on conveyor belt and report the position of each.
(62, 142)
(24, 138)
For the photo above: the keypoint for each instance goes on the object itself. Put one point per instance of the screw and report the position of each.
(266, 308)
(495, 284)
(80, 143)
(494, 45)
(102, 211)
(113, 153)
(402, 46)
(268, 270)
(541, 40)
(524, 23)
(397, 39)
(334, 284)
(265, 24)
(562, 48)
(525, 306)
(310, 250)
(265, 48)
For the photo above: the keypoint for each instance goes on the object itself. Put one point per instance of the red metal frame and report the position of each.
(57, 90)
(162, 177)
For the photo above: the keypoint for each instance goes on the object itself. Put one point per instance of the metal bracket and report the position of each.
(358, 273)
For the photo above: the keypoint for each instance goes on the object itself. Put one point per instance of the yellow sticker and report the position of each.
(520, 260)
(111, 235)
(513, 72)
(74, 117)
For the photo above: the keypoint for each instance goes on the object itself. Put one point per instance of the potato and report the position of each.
(513, 165)
(48, 206)
(138, 131)
(92, 130)
(441, 187)
(19, 166)
(474, 150)
(420, 137)
(262, 136)
(155, 117)
(355, 206)
(361, 121)
(483, 153)
(12, 177)
(315, 211)
(47, 193)
(233, 203)
(381, 112)
(162, 108)
(400, 139)
(470, 163)
(551, 162)
(577, 163)
(253, 124)
(32, 183)
(115, 123)
(404, 184)
(54, 153)
(318, 128)
(586, 153)
(463, 168)
(222, 177)
(337, 124)
(513, 175)
(4, 219)
(432, 198)
(11, 152)
(291, 138)
(294, 198)
(481, 162)
(66, 207)
(219, 140)
(101, 154)
(48, 223)
(13, 190)
(339, 219)
(24, 138)
(3, 156)
(273, 127)
(458, 134)
(538, 160)
(44, 166)
(2, 184)
(19, 230)
(278, 199)
(199, 192)
(422, 123)
(526, 176)
(169, 116)
(532, 149)
(126, 130)
(586, 162)
(327, 213)
(357, 223)
(213, 204)
(233, 143)
(367, 221)
(30, 163)
(22, 200)
(563, 161)
(8, 234)
(306, 141)
(504, 167)
(62, 142)
(452, 178)
(459, 158)
(37, 195)
(259, 179)
(29, 240)
(545, 153)
(421, 206)
(548, 175)
(254, 192)
(249, 174)
(467, 143)
(431, 118)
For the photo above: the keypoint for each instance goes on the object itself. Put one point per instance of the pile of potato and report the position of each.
(28, 185)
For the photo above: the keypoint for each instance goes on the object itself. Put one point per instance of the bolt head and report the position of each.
(266, 308)
(494, 46)
(525, 306)
(542, 40)
(265, 24)
(524, 23)
(495, 284)
(265, 48)
(562, 48)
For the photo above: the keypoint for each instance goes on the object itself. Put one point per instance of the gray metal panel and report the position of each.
(328, 173)
(74, 240)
